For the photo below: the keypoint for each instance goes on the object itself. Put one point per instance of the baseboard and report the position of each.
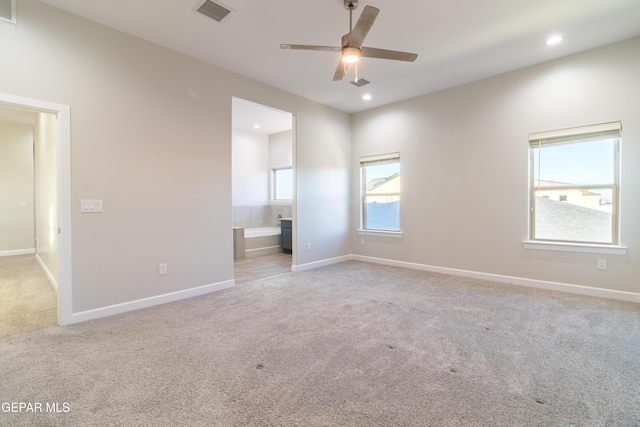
(149, 302)
(47, 273)
(322, 263)
(519, 281)
(18, 252)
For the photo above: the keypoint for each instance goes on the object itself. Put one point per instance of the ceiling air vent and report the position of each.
(212, 10)
(8, 10)
(360, 82)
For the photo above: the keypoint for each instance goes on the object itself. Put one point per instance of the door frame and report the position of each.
(63, 185)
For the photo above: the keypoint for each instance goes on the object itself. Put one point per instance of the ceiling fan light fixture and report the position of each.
(350, 55)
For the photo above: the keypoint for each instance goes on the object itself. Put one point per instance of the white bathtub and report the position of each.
(261, 241)
(262, 231)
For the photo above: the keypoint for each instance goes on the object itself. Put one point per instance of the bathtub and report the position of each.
(261, 241)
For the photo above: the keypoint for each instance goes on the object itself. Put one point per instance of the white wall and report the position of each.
(250, 170)
(45, 155)
(16, 188)
(280, 150)
(464, 166)
(151, 137)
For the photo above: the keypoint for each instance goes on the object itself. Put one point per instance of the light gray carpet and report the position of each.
(27, 299)
(352, 344)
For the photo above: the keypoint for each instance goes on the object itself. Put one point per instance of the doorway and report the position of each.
(51, 224)
(263, 181)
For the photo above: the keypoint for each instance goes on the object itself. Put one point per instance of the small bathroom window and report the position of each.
(8, 11)
(282, 184)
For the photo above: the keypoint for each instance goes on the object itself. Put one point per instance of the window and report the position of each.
(8, 11)
(381, 192)
(574, 184)
(282, 184)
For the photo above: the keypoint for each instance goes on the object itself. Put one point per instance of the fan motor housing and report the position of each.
(350, 5)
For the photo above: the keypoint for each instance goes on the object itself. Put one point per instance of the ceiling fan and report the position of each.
(352, 49)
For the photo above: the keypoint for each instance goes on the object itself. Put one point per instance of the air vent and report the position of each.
(360, 82)
(213, 10)
(8, 10)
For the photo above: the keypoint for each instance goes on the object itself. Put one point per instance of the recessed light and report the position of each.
(366, 97)
(256, 126)
(555, 39)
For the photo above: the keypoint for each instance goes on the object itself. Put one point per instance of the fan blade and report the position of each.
(341, 70)
(310, 47)
(368, 16)
(372, 52)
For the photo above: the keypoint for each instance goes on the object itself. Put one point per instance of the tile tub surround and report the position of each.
(260, 216)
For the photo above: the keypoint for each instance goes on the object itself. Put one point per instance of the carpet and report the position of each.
(351, 344)
(27, 299)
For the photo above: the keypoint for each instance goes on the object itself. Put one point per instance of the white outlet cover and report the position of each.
(162, 269)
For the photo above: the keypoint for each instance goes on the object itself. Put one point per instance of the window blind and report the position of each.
(380, 159)
(582, 134)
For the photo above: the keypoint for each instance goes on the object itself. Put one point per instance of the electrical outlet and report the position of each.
(308, 246)
(362, 240)
(602, 264)
(162, 269)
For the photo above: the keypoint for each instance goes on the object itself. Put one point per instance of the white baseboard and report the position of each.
(18, 252)
(519, 281)
(47, 273)
(322, 263)
(149, 302)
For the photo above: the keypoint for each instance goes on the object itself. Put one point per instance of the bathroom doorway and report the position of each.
(262, 190)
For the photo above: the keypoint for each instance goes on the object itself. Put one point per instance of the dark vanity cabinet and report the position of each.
(285, 233)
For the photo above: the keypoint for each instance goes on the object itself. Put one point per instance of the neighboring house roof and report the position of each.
(545, 183)
(377, 182)
(563, 221)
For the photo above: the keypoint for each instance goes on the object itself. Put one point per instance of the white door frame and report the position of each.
(63, 178)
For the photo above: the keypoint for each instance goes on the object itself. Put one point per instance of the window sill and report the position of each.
(575, 247)
(396, 234)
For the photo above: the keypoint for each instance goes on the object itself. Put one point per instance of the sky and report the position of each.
(580, 163)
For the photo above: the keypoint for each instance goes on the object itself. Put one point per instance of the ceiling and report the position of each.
(457, 41)
(252, 117)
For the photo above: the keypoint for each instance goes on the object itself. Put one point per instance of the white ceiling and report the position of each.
(457, 41)
(247, 115)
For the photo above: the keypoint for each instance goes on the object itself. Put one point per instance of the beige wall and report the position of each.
(151, 137)
(45, 155)
(464, 163)
(16, 188)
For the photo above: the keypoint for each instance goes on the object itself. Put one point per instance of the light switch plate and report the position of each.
(90, 206)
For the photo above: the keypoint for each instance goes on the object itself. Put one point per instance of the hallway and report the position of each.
(27, 299)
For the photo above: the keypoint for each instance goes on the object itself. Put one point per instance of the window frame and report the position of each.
(389, 158)
(14, 18)
(612, 130)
